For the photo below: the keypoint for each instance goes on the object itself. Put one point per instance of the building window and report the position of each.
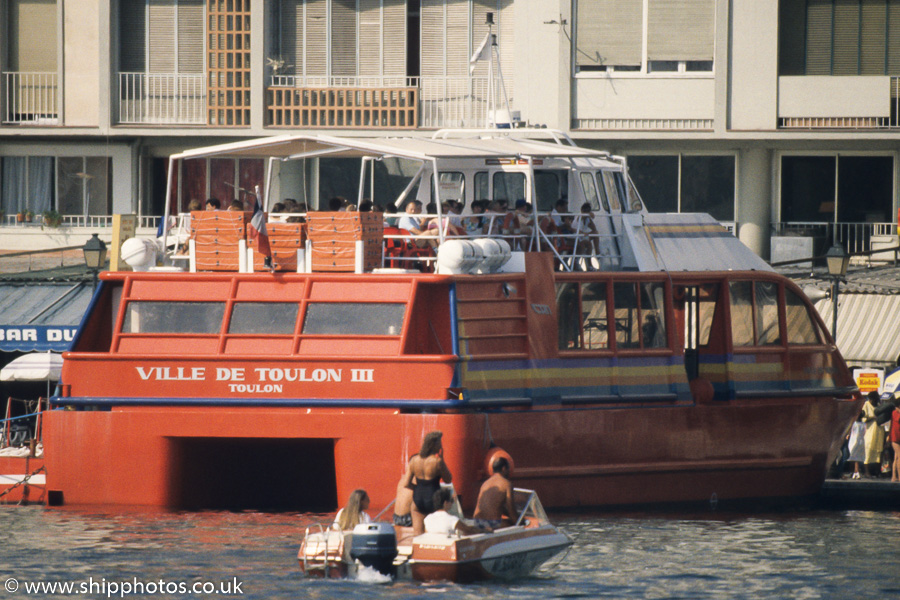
(161, 36)
(83, 185)
(686, 183)
(649, 36)
(864, 189)
(26, 183)
(839, 37)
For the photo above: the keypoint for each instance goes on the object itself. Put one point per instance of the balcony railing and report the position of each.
(30, 98)
(850, 122)
(376, 102)
(162, 99)
(855, 237)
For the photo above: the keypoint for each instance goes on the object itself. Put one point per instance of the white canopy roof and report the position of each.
(36, 366)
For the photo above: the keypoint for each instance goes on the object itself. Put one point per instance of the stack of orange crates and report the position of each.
(333, 237)
(284, 241)
(216, 234)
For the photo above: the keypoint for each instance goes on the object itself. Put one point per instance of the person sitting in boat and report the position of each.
(442, 522)
(354, 513)
(428, 469)
(495, 498)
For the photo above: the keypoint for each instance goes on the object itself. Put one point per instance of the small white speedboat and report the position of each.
(506, 553)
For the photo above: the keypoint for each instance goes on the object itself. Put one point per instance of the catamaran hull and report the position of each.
(581, 456)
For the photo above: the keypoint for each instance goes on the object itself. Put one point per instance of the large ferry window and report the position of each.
(590, 190)
(482, 186)
(653, 308)
(173, 317)
(611, 187)
(801, 329)
(263, 317)
(509, 186)
(568, 316)
(640, 320)
(354, 318)
(741, 313)
(452, 186)
(593, 315)
(766, 313)
(550, 186)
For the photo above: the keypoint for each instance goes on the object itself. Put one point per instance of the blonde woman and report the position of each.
(354, 513)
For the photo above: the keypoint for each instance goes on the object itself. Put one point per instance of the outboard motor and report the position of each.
(375, 545)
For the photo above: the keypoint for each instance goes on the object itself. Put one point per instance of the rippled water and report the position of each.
(802, 555)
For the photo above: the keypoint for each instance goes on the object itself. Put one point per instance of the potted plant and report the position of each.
(29, 215)
(52, 218)
(20, 216)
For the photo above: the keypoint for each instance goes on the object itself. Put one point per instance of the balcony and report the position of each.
(376, 102)
(162, 99)
(839, 102)
(30, 98)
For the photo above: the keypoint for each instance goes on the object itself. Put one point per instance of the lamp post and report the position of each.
(837, 260)
(94, 255)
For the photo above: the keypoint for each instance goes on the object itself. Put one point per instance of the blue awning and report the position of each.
(41, 316)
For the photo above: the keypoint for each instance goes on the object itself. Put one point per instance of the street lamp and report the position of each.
(837, 260)
(94, 255)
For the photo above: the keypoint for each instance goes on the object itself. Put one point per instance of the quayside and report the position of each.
(680, 369)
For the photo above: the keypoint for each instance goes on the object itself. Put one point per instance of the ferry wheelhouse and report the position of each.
(683, 369)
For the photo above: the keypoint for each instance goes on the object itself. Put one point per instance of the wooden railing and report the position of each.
(351, 107)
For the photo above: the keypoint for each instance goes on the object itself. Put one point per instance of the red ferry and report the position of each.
(683, 370)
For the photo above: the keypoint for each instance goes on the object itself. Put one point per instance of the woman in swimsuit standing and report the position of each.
(428, 469)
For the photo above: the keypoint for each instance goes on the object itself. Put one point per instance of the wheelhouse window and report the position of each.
(452, 186)
(754, 313)
(173, 317)
(509, 186)
(263, 317)
(346, 318)
(549, 187)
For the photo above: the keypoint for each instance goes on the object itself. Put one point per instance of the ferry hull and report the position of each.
(22, 480)
(581, 456)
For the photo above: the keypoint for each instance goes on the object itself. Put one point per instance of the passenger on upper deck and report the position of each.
(236, 205)
(495, 217)
(442, 522)
(213, 204)
(429, 469)
(354, 513)
(495, 498)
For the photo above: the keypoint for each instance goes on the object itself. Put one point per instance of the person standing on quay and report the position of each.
(874, 436)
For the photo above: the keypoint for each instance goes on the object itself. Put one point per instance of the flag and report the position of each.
(483, 52)
(258, 229)
(165, 224)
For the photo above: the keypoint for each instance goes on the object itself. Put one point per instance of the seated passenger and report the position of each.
(213, 204)
(495, 499)
(354, 513)
(442, 522)
(236, 205)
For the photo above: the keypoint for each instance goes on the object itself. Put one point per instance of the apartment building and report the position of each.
(777, 117)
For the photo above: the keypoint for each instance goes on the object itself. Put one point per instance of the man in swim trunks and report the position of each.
(495, 499)
(428, 469)
(403, 503)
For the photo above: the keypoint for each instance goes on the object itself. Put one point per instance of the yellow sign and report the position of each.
(868, 380)
(124, 228)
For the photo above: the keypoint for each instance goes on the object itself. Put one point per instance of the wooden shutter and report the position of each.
(608, 32)
(846, 37)
(343, 38)
(681, 30)
(161, 36)
(132, 36)
(432, 38)
(394, 35)
(873, 37)
(818, 37)
(191, 33)
(291, 29)
(506, 27)
(893, 38)
(32, 32)
(316, 41)
(458, 36)
(370, 40)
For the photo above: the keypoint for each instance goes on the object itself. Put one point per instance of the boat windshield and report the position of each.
(528, 506)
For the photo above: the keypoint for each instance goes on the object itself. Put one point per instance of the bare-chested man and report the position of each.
(495, 499)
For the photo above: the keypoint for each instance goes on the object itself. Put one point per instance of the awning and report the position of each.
(41, 316)
(866, 329)
(37, 366)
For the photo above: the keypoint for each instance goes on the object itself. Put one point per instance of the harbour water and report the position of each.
(807, 554)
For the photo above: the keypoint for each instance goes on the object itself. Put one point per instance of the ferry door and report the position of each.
(700, 334)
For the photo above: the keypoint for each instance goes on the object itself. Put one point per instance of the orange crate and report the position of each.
(284, 241)
(216, 234)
